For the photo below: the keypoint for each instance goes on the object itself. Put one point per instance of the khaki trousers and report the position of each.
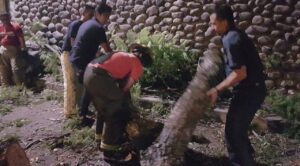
(69, 85)
(11, 66)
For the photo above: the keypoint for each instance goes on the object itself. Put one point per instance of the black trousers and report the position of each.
(85, 99)
(243, 107)
(111, 105)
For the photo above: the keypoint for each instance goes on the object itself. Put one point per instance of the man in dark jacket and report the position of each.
(244, 72)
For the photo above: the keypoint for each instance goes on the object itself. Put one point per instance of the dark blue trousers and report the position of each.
(243, 107)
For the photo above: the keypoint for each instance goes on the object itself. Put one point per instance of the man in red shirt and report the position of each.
(12, 43)
(104, 78)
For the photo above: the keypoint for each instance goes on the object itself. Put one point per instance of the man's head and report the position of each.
(5, 18)
(143, 53)
(87, 12)
(103, 12)
(222, 19)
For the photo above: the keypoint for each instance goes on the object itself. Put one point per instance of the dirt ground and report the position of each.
(41, 121)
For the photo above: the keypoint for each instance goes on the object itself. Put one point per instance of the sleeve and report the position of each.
(103, 38)
(234, 51)
(72, 30)
(137, 69)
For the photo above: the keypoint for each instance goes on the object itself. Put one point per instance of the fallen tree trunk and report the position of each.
(13, 155)
(179, 126)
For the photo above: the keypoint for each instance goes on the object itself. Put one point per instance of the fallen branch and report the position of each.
(46, 139)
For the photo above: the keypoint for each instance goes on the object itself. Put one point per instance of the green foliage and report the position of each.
(14, 95)
(272, 61)
(80, 137)
(287, 107)
(5, 109)
(52, 95)
(52, 64)
(160, 109)
(172, 67)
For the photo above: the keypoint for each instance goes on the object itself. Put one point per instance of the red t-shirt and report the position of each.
(122, 64)
(9, 34)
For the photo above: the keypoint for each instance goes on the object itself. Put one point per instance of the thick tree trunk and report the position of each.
(179, 126)
(12, 154)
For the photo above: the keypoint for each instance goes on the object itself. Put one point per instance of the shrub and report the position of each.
(172, 67)
(287, 107)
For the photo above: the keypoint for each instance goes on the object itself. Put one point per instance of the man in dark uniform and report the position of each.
(68, 73)
(244, 72)
(90, 36)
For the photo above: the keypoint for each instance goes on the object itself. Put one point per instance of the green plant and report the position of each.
(272, 61)
(172, 67)
(80, 137)
(14, 95)
(52, 95)
(5, 109)
(287, 107)
(160, 109)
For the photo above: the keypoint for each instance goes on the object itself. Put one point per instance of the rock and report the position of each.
(59, 27)
(45, 20)
(209, 7)
(125, 27)
(125, 14)
(141, 18)
(139, 9)
(281, 9)
(205, 16)
(112, 26)
(189, 28)
(178, 3)
(289, 37)
(25, 9)
(165, 14)
(195, 12)
(244, 24)
(240, 7)
(51, 27)
(296, 14)
(280, 45)
(64, 14)
(209, 32)
(261, 2)
(266, 50)
(276, 33)
(290, 20)
(278, 17)
(177, 21)
(264, 40)
(260, 29)
(245, 16)
(121, 20)
(187, 19)
(167, 21)
(151, 20)
(177, 14)
(296, 32)
(270, 84)
(284, 27)
(257, 20)
(65, 22)
(195, 5)
(57, 35)
(153, 10)
(174, 9)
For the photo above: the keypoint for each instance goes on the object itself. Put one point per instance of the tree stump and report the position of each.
(12, 154)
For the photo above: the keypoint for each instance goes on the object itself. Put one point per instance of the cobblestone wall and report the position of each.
(274, 25)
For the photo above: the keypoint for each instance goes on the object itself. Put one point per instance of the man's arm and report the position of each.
(106, 47)
(232, 79)
(129, 84)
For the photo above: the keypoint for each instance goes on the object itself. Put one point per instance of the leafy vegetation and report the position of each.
(13, 95)
(80, 137)
(173, 66)
(287, 107)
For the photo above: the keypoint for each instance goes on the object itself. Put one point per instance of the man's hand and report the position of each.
(213, 95)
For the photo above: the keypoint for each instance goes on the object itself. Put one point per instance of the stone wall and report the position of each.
(274, 25)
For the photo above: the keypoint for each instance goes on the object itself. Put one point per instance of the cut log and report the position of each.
(15, 155)
(179, 126)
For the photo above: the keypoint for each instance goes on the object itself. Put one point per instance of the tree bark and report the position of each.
(179, 126)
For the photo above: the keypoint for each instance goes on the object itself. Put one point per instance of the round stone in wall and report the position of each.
(257, 20)
(153, 10)
(281, 9)
(141, 18)
(280, 46)
(139, 9)
(151, 20)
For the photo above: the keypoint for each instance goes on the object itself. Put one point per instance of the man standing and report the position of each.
(68, 73)
(244, 72)
(12, 44)
(90, 36)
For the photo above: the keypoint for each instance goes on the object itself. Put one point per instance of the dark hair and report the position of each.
(224, 12)
(143, 53)
(103, 8)
(89, 7)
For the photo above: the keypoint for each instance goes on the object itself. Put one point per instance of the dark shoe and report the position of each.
(87, 113)
(87, 122)
(124, 158)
